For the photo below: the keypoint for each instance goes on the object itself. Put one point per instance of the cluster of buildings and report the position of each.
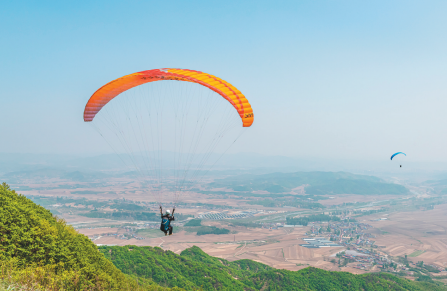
(343, 232)
(352, 235)
(361, 251)
(318, 242)
(369, 259)
(365, 259)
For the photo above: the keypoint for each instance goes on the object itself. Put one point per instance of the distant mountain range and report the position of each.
(249, 176)
(316, 183)
(228, 164)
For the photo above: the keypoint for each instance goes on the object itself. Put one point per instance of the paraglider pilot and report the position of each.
(166, 221)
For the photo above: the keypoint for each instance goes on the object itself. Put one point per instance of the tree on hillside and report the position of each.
(34, 244)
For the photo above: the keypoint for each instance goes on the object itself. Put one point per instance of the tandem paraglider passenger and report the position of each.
(166, 221)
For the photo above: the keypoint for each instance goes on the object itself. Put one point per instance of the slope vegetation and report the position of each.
(39, 249)
(194, 269)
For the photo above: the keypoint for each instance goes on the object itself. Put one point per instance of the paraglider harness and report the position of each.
(166, 221)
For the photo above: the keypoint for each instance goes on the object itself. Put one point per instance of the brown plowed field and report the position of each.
(404, 233)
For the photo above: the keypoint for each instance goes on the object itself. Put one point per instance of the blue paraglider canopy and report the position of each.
(397, 154)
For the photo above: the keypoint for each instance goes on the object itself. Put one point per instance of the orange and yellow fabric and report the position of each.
(112, 89)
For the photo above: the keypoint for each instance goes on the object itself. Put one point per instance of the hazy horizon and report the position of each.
(248, 162)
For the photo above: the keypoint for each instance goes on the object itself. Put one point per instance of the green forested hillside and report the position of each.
(317, 183)
(194, 269)
(34, 244)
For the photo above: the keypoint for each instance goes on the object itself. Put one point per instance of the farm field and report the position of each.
(420, 233)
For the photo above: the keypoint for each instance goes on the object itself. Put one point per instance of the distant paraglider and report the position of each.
(398, 153)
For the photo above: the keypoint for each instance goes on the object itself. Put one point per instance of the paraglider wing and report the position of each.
(397, 154)
(170, 133)
(109, 91)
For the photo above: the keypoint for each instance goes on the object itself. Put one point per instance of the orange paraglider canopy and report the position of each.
(112, 89)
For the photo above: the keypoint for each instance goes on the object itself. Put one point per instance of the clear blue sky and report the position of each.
(358, 79)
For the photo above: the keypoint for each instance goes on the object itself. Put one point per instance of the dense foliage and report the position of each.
(212, 230)
(311, 218)
(347, 186)
(33, 241)
(193, 269)
(194, 222)
(128, 207)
